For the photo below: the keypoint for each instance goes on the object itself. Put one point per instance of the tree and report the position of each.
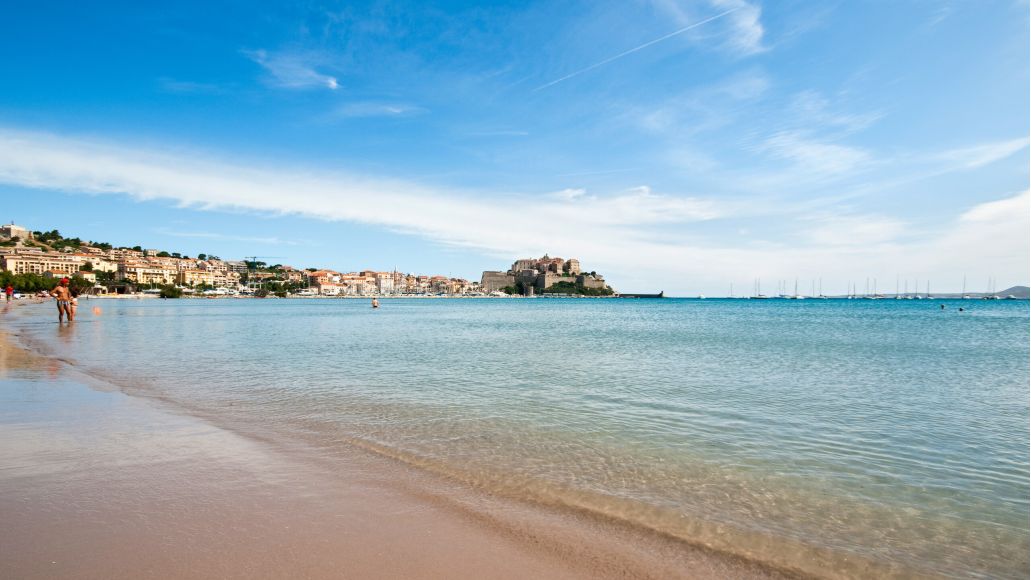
(79, 284)
(87, 267)
(202, 256)
(170, 291)
(164, 255)
(136, 248)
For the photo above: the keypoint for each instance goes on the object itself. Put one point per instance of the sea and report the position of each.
(847, 438)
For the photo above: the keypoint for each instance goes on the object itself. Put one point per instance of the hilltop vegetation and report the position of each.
(571, 288)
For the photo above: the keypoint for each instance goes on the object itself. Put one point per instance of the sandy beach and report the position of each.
(95, 483)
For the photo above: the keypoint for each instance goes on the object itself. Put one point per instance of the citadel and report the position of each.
(535, 275)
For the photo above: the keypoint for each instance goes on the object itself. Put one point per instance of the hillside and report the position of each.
(1018, 291)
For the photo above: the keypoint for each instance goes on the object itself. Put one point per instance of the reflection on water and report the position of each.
(825, 434)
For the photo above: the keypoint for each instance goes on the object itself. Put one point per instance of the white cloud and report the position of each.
(815, 156)
(810, 108)
(747, 29)
(852, 230)
(981, 155)
(743, 32)
(292, 70)
(270, 240)
(176, 86)
(642, 240)
(448, 216)
(569, 193)
(376, 109)
(710, 107)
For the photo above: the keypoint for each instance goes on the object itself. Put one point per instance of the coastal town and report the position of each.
(32, 261)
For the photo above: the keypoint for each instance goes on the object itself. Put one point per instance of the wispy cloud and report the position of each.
(810, 108)
(293, 70)
(982, 154)
(814, 156)
(747, 33)
(606, 61)
(499, 133)
(570, 193)
(377, 109)
(270, 240)
(177, 86)
(743, 33)
(448, 216)
(831, 229)
(702, 109)
(599, 172)
(635, 235)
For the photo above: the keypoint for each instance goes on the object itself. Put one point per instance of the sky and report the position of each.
(690, 146)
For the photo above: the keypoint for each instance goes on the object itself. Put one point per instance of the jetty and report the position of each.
(659, 295)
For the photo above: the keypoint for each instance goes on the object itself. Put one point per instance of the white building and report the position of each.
(12, 231)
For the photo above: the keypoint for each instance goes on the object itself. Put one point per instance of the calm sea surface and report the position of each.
(850, 437)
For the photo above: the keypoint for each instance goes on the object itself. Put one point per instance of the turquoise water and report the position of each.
(840, 437)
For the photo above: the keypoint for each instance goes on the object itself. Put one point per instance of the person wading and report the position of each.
(64, 301)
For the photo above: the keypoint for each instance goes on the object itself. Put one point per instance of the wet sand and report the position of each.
(95, 483)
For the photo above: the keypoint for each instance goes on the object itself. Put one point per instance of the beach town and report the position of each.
(36, 260)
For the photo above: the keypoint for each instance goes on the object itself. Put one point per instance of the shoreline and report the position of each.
(402, 514)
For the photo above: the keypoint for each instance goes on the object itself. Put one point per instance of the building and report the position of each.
(38, 263)
(118, 254)
(539, 274)
(494, 281)
(11, 231)
(384, 282)
(225, 279)
(97, 263)
(87, 276)
(328, 288)
(195, 278)
(146, 273)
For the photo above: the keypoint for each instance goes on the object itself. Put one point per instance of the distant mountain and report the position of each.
(1018, 291)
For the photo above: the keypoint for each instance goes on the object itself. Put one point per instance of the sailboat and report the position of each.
(782, 290)
(758, 290)
(796, 295)
(990, 294)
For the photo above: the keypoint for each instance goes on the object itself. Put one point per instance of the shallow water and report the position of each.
(849, 438)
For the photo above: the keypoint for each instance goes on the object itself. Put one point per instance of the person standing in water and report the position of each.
(74, 304)
(9, 291)
(64, 301)
(375, 302)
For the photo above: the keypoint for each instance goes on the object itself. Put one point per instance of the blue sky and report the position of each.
(676, 145)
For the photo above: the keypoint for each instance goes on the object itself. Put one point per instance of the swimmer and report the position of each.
(375, 303)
